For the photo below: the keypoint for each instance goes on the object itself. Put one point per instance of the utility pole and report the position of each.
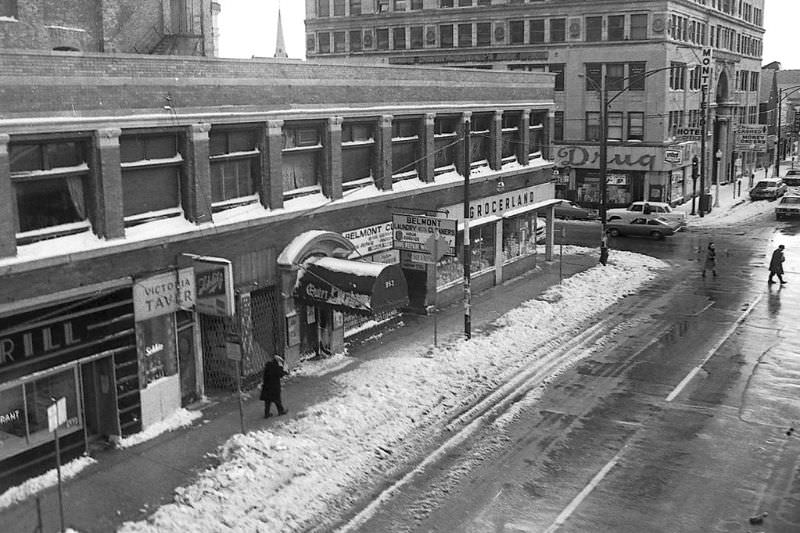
(603, 170)
(467, 251)
(703, 113)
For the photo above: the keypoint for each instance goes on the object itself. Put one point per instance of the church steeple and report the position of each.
(280, 48)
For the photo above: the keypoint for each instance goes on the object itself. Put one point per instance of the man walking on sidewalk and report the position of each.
(776, 265)
(271, 386)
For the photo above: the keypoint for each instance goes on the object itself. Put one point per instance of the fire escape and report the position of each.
(182, 34)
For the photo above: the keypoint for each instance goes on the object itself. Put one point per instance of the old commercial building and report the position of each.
(166, 27)
(646, 54)
(138, 208)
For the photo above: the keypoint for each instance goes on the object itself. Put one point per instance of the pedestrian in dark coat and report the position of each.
(776, 265)
(271, 386)
(711, 260)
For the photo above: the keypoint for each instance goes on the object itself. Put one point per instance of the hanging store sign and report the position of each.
(214, 286)
(751, 137)
(164, 293)
(370, 240)
(419, 233)
(673, 155)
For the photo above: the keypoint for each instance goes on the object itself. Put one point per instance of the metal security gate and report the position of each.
(257, 323)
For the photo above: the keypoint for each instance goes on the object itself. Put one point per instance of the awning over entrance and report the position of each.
(352, 286)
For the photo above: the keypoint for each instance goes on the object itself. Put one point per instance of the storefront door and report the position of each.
(324, 331)
(99, 398)
(186, 357)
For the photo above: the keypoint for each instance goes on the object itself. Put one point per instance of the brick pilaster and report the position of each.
(106, 186)
(383, 153)
(548, 133)
(461, 147)
(427, 149)
(8, 225)
(270, 184)
(496, 141)
(524, 148)
(196, 199)
(332, 185)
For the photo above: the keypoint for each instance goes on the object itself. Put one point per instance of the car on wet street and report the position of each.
(788, 206)
(656, 228)
(768, 189)
(571, 211)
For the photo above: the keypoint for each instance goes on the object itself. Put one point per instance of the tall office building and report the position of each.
(647, 55)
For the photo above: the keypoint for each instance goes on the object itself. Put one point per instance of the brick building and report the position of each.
(126, 194)
(646, 54)
(167, 27)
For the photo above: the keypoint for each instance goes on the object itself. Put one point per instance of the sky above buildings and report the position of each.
(247, 29)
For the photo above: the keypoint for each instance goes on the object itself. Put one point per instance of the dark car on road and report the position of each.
(657, 228)
(768, 189)
(792, 177)
(572, 211)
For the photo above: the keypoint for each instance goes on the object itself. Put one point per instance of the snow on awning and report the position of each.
(356, 287)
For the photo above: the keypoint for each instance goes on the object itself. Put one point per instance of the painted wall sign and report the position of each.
(628, 158)
(370, 240)
(164, 293)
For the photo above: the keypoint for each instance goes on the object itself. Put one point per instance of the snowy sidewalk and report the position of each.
(129, 484)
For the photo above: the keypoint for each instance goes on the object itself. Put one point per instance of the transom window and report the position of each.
(50, 180)
(302, 159)
(358, 153)
(405, 148)
(235, 165)
(151, 175)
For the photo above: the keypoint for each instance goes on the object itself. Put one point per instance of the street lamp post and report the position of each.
(695, 165)
(778, 110)
(717, 159)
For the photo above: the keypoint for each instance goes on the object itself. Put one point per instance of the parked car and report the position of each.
(788, 206)
(657, 228)
(648, 209)
(572, 211)
(792, 177)
(768, 189)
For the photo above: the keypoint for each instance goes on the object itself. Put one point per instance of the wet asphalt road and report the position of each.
(685, 419)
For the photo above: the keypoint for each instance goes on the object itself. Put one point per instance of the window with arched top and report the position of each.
(722, 87)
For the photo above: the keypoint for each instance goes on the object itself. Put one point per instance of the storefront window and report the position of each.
(23, 411)
(13, 433)
(482, 254)
(519, 236)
